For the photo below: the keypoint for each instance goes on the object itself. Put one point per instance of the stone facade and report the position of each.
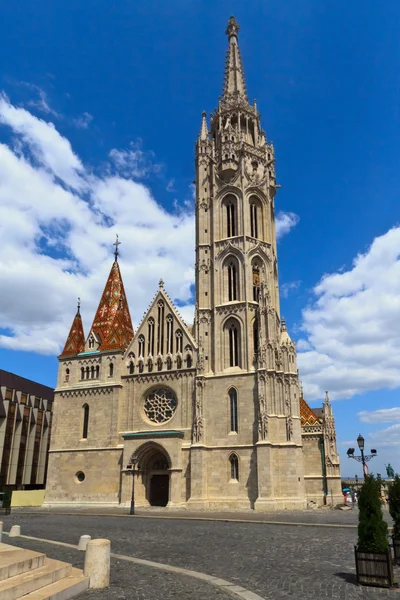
(211, 413)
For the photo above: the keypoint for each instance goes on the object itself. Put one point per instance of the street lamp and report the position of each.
(364, 458)
(133, 463)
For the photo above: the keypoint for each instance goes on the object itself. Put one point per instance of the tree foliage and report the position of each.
(394, 505)
(372, 528)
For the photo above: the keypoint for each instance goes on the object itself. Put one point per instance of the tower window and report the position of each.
(149, 365)
(82, 373)
(66, 374)
(178, 362)
(232, 282)
(255, 335)
(253, 220)
(230, 219)
(169, 363)
(91, 342)
(233, 409)
(87, 372)
(131, 368)
(234, 462)
(85, 421)
(159, 363)
(188, 361)
(233, 345)
(97, 371)
(92, 372)
(111, 369)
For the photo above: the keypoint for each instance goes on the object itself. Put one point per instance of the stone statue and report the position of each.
(389, 471)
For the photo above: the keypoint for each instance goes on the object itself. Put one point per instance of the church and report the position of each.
(208, 416)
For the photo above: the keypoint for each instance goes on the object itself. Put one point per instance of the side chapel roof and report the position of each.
(307, 415)
(112, 322)
(76, 338)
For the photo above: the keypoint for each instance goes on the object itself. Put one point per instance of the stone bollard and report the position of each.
(83, 541)
(97, 563)
(15, 531)
(1, 530)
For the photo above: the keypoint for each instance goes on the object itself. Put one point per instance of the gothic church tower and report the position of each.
(247, 390)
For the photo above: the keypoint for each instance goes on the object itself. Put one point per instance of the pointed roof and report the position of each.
(76, 338)
(112, 322)
(234, 84)
(203, 135)
(307, 415)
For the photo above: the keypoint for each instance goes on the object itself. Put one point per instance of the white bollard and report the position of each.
(83, 541)
(15, 531)
(1, 530)
(97, 563)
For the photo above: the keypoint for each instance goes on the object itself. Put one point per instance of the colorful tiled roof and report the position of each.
(112, 322)
(76, 338)
(307, 415)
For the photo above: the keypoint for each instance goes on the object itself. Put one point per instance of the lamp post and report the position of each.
(363, 458)
(133, 463)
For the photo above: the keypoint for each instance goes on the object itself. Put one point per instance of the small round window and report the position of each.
(160, 405)
(80, 476)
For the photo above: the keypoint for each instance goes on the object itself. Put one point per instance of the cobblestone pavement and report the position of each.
(273, 561)
(130, 581)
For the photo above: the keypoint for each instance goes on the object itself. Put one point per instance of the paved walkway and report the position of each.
(272, 561)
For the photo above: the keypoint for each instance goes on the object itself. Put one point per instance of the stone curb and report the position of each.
(183, 518)
(233, 589)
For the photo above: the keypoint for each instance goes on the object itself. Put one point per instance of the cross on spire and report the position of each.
(79, 305)
(116, 244)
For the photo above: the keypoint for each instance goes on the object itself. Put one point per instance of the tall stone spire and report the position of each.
(203, 135)
(76, 338)
(112, 323)
(234, 84)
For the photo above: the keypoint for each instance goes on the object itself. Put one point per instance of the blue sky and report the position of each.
(124, 85)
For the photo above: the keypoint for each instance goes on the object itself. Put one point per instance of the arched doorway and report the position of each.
(154, 467)
(158, 481)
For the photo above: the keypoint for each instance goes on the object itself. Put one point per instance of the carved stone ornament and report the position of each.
(289, 428)
(198, 413)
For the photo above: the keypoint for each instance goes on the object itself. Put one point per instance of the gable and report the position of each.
(162, 340)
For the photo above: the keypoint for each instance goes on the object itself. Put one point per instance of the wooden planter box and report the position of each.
(374, 568)
(396, 550)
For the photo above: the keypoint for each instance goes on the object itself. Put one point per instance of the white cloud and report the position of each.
(383, 415)
(353, 326)
(287, 288)
(386, 437)
(284, 222)
(58, 221)
(83, 121)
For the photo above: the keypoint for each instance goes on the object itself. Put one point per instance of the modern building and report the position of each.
(26, 409)
(213, 413)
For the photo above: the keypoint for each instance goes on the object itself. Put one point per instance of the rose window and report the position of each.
(160, 406)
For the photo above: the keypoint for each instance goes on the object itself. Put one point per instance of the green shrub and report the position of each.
(372, 529)
(394, 505)
(7, 498)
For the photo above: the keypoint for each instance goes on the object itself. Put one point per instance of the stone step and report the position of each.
(25, 583)
(14, 561)
(66, 588)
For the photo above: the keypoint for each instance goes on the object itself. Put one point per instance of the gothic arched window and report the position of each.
(232, 281)
(169, 334)
(178, 362)
(233, 344)
(92, 372)
(188, 361)
(234, 462)
(85, 421)
(149, 365)
(255, 335)
(111, 369)
(160, 328)
(141, 366)
(131, 368)
(150, 347)
(179, 340)
(169, 363)
(87, 372)
(91, 342)
(233, 407)
(141, 345)
(230, 219)
(82, 373)
(159, 363)
(253, 220)
(97, 371)
(66, 374)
